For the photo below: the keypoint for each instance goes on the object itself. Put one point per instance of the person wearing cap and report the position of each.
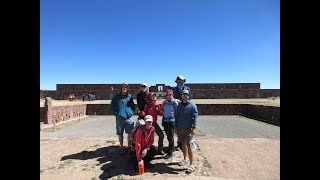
(153, 108)
(186, 119)
(143, 150)
(177, 91)
(168, 108)
(122, 106)
(142, 99)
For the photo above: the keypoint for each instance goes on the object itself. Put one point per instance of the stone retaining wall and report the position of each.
(268, 114)
(196, 94)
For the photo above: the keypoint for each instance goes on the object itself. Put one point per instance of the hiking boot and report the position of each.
(169, 155)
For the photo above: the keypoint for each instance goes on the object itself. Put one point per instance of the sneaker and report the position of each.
(169, 155)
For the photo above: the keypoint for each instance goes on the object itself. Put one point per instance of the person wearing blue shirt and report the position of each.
(169, 107)
(186, 118)
(122, 106)
(177, 91)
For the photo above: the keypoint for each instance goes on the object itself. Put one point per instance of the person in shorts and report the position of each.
(122, 106)
(186, 118)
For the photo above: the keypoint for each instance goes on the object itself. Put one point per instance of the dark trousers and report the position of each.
(169, 130)
(160, 134)
(149, 156)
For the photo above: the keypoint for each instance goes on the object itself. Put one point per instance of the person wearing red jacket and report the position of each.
(143, 150)
(154, 109)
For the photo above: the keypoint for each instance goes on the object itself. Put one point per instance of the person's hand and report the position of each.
(143, 153)
(140, 162)
(193, 131)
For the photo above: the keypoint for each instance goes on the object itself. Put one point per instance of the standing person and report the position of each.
(142, 99)
(186, 119)
(122, 106)
(83, 96)
(169, 107)
(153, 108)
(142, 150)
(177, 91)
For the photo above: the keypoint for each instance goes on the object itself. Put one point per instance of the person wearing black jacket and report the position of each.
(142, 99)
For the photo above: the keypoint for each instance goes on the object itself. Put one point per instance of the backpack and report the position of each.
(134, 131)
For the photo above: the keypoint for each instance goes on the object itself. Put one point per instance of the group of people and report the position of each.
(91, 97)
(72, 97)
(179, 116)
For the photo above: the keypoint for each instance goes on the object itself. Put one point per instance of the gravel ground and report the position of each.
(208, 127)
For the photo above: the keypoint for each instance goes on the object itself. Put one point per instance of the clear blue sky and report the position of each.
(154, 41)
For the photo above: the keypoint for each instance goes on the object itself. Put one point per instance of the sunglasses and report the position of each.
(148, 122)
(143, 86)
(184, 94)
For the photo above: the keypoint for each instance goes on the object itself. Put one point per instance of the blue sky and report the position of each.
(154, 41)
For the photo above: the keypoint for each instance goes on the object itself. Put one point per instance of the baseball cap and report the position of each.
(148, 118)
(185, 91)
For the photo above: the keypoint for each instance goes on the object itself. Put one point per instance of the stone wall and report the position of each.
(104, 95)
(199, 90)
(268, 114)
(98, 87)
(42, 114)
(196, 94)
(64, 113)
(219, 109)
(50, 115)
(223, 85)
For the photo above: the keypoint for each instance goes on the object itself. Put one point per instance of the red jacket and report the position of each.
(153, 109)
(143, 141)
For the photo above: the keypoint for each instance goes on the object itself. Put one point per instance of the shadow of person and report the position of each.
(164, 168)
(111, 158)
(114, 162)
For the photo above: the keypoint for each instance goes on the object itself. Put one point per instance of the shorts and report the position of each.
(124, 125)
(184, 136)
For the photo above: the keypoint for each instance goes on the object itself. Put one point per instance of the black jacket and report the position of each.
(142, 99)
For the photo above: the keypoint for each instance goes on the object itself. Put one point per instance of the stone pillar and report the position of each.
(48, 110)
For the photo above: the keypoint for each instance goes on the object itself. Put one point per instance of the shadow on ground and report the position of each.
(114, 163)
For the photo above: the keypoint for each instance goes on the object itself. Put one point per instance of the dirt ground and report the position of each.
(93, 159)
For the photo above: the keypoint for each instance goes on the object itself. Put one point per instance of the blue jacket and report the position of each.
(177, 92)
(169, 108)
(186, 117)
(122, 105)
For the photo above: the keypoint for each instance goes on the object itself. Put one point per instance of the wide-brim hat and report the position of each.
(180, 77)
(143, 84)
